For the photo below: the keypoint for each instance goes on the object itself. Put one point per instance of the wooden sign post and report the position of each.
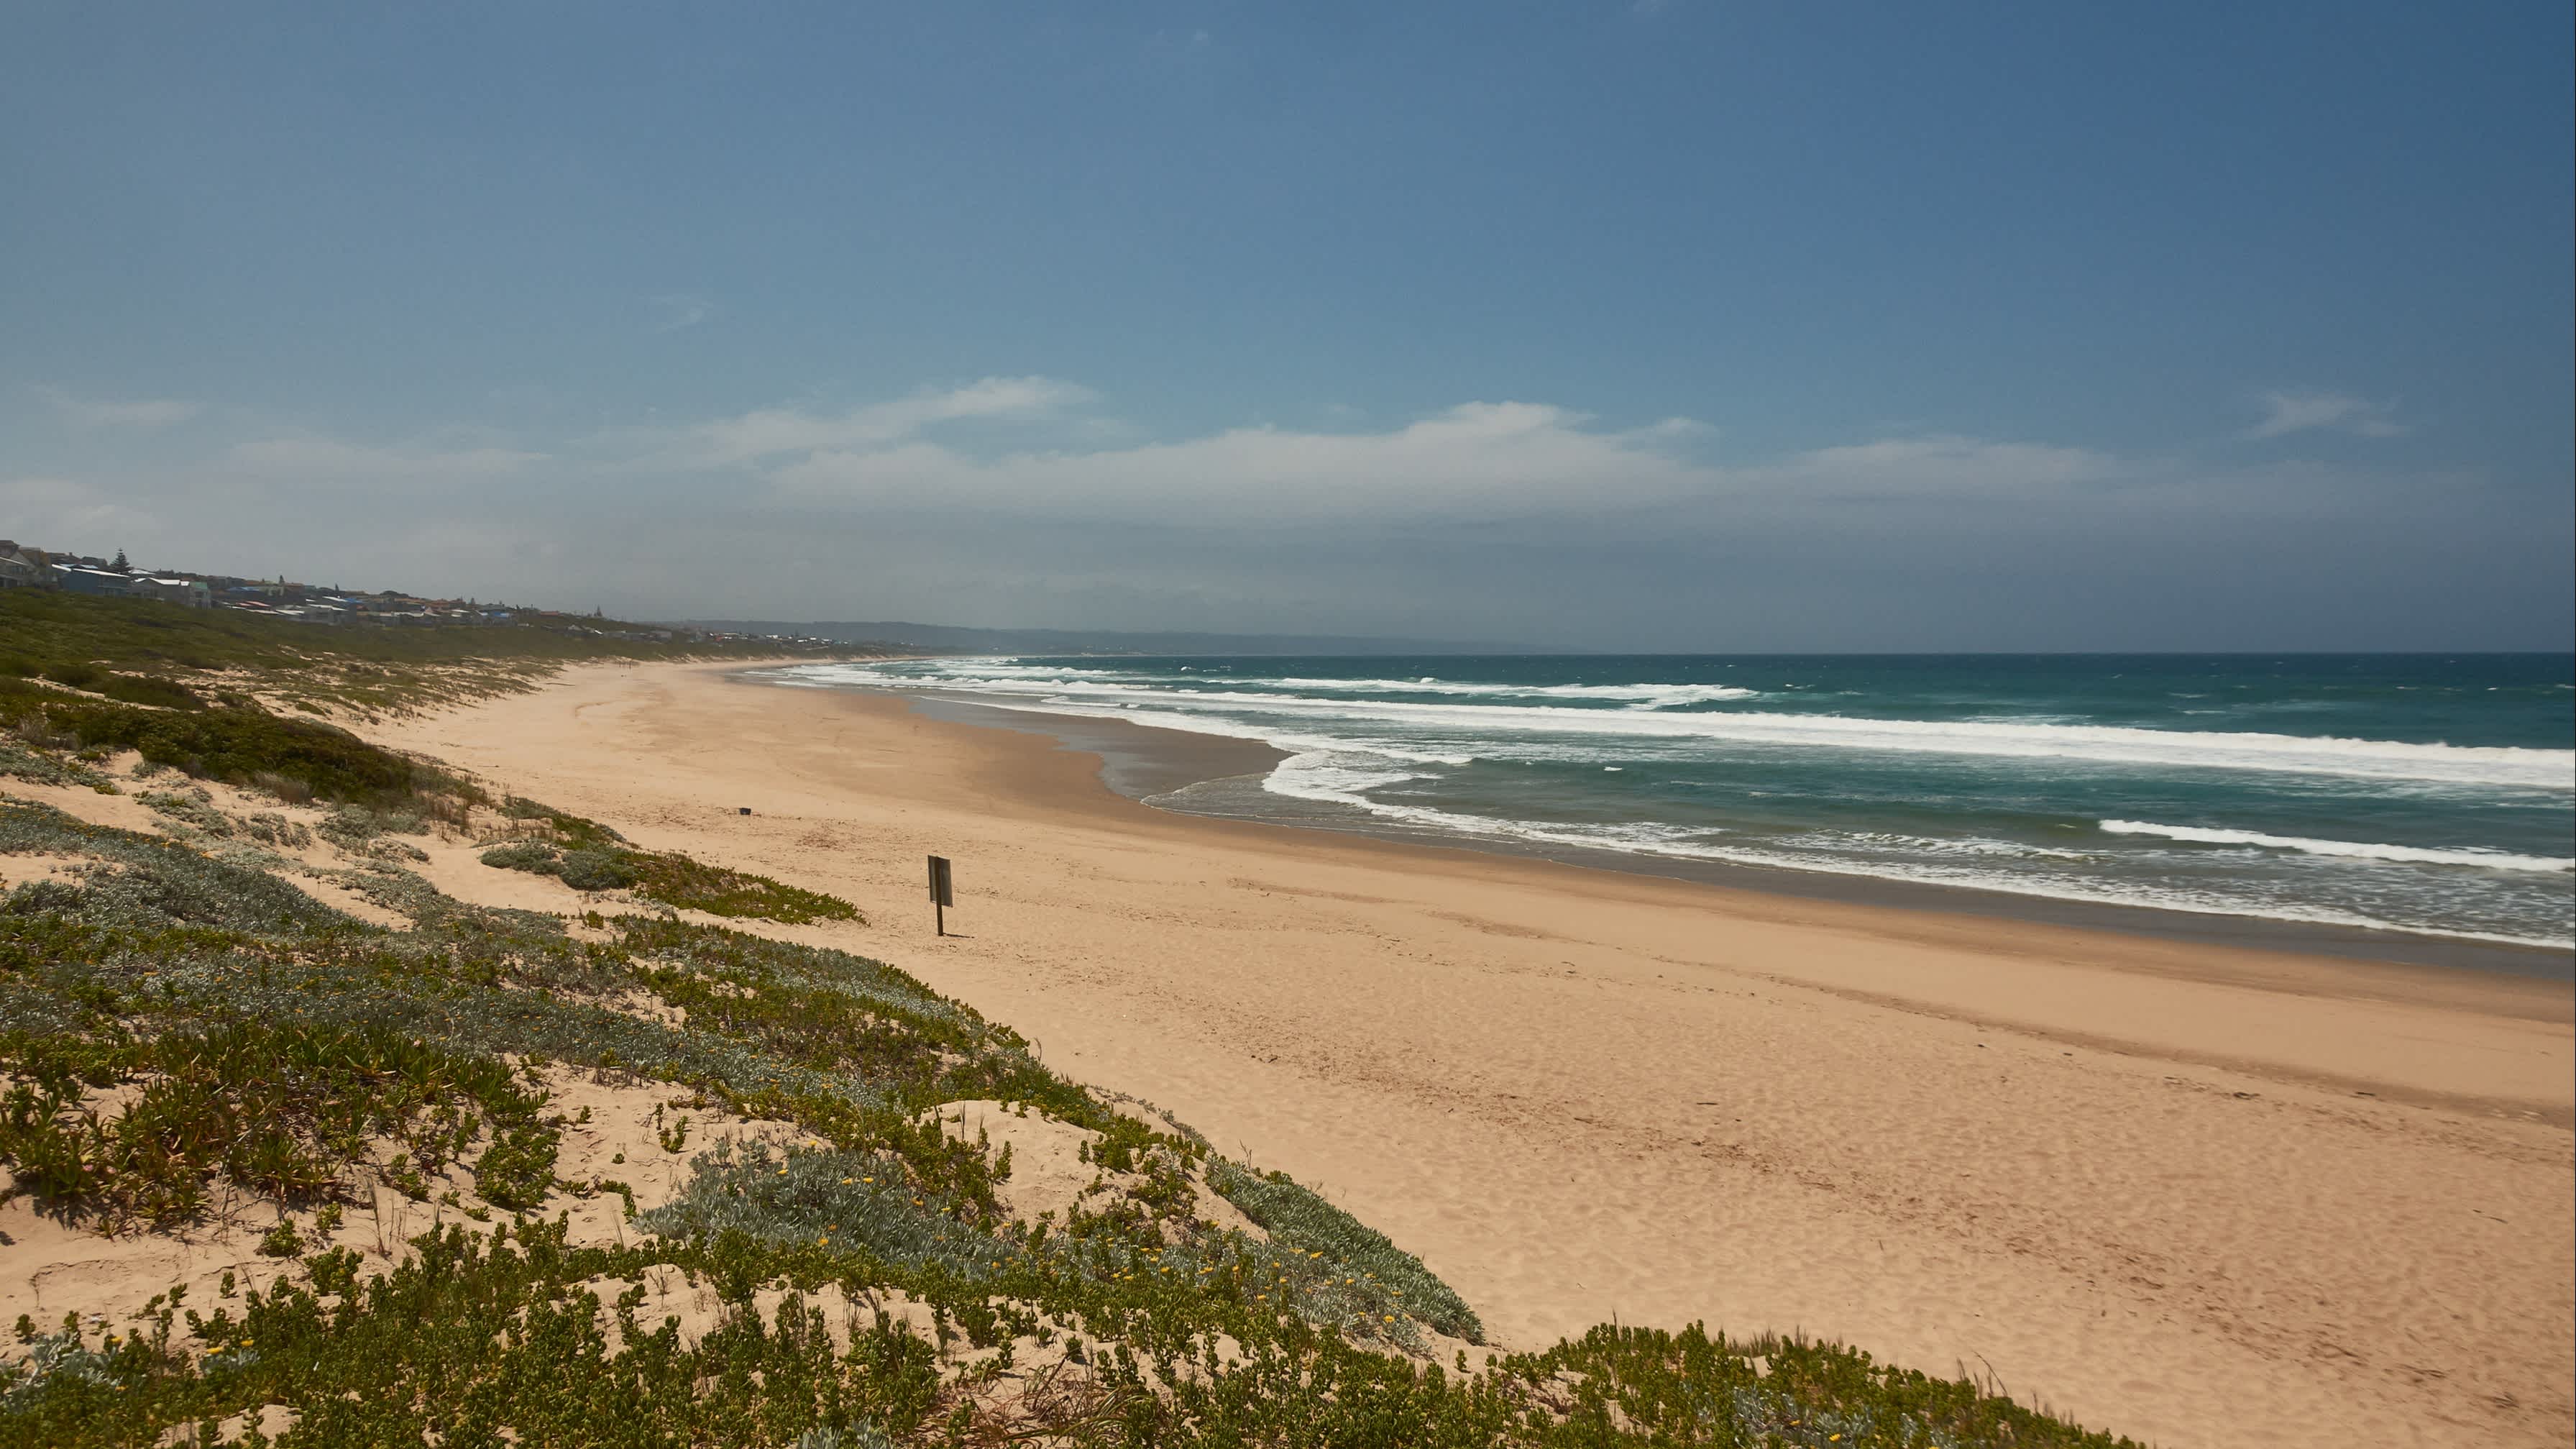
(942, 893)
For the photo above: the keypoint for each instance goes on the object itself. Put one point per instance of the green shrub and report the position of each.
(187, 809)
(150, 689)
(596, 870)
(518, 1170)
(45, 767)
(239, 745)
(1302, 1222)
(523, 855)
(284, 1112)
(591, 857)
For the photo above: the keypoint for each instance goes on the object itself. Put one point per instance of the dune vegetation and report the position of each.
(153, 653)
(841, 1209)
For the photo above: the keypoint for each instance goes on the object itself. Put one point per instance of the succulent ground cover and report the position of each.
(811, 1244)
(588, 856)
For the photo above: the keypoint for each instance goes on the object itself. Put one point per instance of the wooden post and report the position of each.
(943, 893)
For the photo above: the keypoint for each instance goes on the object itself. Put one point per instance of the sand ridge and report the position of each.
(2200, 1196)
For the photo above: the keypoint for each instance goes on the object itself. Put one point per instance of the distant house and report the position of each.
(187, 593)
(81, 579)
(24, 568)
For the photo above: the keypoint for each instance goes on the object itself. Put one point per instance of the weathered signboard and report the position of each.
(943, 893)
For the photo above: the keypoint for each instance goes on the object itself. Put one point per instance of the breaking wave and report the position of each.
(2351, 849)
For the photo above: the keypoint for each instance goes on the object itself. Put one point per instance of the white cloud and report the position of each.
(1476, 460)
(1014, 500)
(772, 432)
(1490, 458)
(2301, 410)
(308, 456)
(144, 413)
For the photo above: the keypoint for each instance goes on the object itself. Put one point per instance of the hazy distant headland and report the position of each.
(1111, 641)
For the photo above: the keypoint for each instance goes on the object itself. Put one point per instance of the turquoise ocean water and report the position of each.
(2428, 794)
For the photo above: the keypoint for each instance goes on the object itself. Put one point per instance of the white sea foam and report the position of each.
(969, 672)
(2353, 849)
(1342, 778)
(1235, 712)
(1639, 696)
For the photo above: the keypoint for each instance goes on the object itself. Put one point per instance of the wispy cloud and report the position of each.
(2307, 409)
(679, 311)
(776, 432)
(1941, 466)
(144, 413)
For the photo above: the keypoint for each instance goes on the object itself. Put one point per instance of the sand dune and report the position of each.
(2203, 1197)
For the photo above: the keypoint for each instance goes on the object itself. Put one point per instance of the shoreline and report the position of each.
(2199, 1195)
(1185, 773)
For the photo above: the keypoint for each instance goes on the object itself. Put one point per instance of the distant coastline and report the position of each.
(961, 639)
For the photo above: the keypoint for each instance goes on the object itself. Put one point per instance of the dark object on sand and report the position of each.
(746, 809)
(943, 893)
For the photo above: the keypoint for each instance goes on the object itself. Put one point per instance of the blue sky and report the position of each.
(1679, 325)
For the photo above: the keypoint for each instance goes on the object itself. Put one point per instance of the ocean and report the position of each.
(2433, 795)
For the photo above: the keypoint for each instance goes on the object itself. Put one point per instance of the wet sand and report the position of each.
(2200, 1195)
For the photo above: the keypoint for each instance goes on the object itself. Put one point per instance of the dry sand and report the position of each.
(2203, 1197)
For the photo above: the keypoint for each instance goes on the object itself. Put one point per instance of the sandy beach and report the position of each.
(2204, 1197)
